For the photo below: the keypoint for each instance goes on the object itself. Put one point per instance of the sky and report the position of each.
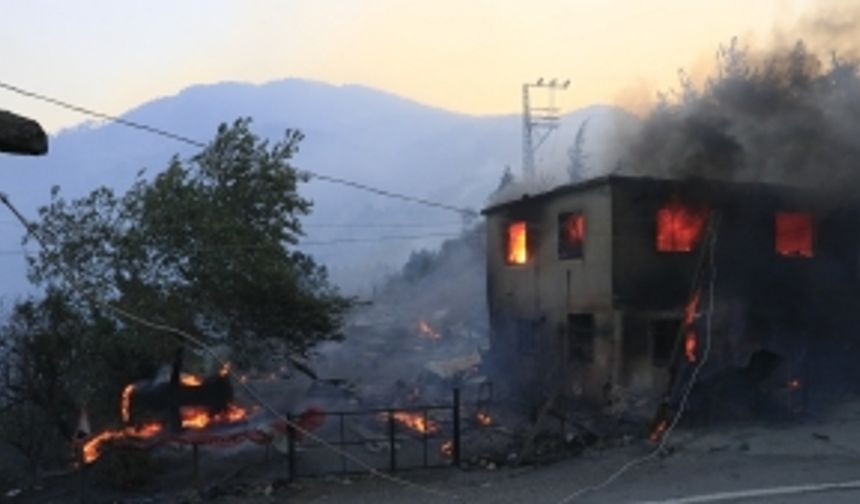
(470, 56)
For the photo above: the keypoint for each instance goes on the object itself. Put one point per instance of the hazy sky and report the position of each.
(464, 55)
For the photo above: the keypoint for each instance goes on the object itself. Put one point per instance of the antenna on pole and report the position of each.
(539, 121)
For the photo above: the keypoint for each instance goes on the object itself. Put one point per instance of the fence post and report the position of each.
(195, 456)
(456, 441)
(391, 439)
(291, 448)
(342, 446)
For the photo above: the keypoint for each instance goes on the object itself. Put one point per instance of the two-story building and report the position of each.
(588, 285)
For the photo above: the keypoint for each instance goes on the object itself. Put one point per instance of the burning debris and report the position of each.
(428, 332)
(415, 422)
(186, 402)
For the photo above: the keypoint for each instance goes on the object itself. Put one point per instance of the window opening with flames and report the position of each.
(571, 235)
(680, 227)
(517, 250)
(795, 232)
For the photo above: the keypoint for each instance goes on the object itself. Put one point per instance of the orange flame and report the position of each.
(679, 227)
(658, 431)
(413, 421)
(483, 418)
(690, 344)
(427, 331)
(517, 251)
(92, 449)
(125, 405)
(795, 234)
(190, 380)
(690, 336)
(199, 418)
(447, 448)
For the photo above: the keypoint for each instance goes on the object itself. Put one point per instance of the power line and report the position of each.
(465, 212)
(335, 241)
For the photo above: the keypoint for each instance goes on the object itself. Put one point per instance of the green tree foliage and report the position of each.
(206, 246)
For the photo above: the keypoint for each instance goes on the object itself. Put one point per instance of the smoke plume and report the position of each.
(787, 116)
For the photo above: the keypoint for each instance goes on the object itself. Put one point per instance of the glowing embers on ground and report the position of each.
(415, 422)
(426, 331)
(483, 418)
(795, 233)
(517, 251)
(680, 226)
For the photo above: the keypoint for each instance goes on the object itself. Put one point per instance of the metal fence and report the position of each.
(392, 439)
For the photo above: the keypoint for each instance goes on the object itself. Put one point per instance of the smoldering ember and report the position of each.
(696, 294)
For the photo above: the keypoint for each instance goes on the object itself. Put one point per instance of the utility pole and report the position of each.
(540, 121)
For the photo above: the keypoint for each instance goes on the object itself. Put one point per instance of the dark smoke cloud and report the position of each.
(786, 116)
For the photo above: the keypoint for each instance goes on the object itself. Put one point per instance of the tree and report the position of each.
(207, 246)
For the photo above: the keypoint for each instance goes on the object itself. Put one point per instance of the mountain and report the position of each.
(352, 132)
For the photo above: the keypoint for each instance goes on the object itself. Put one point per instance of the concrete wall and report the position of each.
(539, 295)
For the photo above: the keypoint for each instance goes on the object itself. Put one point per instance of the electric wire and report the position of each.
(711, 248)
(311, 243)
(203, 346)
(467, 213)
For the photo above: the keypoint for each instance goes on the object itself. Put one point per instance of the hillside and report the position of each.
(351, 131)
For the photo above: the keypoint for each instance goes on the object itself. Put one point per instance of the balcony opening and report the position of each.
(795, 232)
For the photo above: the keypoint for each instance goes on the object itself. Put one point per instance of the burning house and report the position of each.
(599, 289)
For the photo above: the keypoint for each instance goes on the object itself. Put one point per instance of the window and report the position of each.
(571, 235)
(580, 334)
(517, 252)
(680, 227)
(664, 333)
(794, 234)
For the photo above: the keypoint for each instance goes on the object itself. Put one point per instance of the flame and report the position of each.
(413, 421)
(192, 418)
(517, 251)
(125, 404)
(658, 431)
(574, 228)
(225, 369)
(483, 418)
(690, 336)
(190, 380)
(199, 418)
(427, 331)
(92, 449)
(690, 344)
(447, 448)
(794, 384)
(679, 227)
(794, 234)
